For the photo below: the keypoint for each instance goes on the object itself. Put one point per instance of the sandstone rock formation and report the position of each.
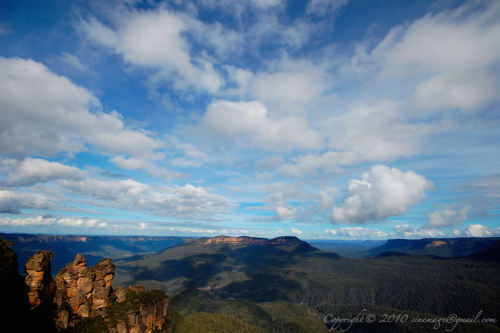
(82, 291)
(38, 303)
(145, 310)
(39, 278)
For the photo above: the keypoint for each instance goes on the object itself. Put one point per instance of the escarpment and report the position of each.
(78, 298)
(138, 310)
(82, 292)
(39, 279)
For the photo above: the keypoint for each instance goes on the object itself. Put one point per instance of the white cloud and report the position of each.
(286, 212)
(250, 124)
(296, 231)
(266, 3)
(81, 223)
(46, 114)
(376, 132)
(181, 202)
(382, 192)
(326, 198)
(190, 150)
(357, 232)
(196, 231)
(36, 221)
(290, 85)
(488, 185)
(408, 231)
(478, 230)
(184, 162)
(13, 202)
(129, 163)
(154, 39)
(279, 198)
(365, 133)
(451, 53)
(31, 171)
(311, 163)
(270, 162)
(466, 91)
(73, 61)
(149, 167)
(449, 216)
(460, 40)
(324, 7)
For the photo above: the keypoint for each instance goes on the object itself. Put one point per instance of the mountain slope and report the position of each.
(292, 271)
(66, 247)
(443, 247)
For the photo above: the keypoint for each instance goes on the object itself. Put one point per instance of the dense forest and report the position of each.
(286, 285)
(292, 287)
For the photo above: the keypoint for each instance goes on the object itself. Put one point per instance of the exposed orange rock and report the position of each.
(39, 278)
(82, 291)
(146, 317)
(439, 243)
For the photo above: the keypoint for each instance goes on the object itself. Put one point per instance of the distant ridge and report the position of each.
(442, 247)
(244, 240)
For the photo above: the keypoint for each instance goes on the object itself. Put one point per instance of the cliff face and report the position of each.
(39, 303)
(85, 292)
(13, 299)
(39, 278)
(139, 311)
(82, 291)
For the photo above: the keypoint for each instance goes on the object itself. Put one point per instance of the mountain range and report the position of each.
(286, 285)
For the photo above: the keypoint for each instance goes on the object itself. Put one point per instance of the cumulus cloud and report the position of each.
(447, 217)
(296, 231)
(32, 170)
(154, 39)
(250, 124)
(13, 202)
(181, 202)
(453, 51)
(46, 114)
(357, 232)
(382, 192)
(478, 230)
(365, 133)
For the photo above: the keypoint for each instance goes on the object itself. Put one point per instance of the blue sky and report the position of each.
(324, 119)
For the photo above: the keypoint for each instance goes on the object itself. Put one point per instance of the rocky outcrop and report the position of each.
(85, 292)
(15, 312)
(39, 278)
(14, 302)
(82, 292)
(39, 303)
(140, 311)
